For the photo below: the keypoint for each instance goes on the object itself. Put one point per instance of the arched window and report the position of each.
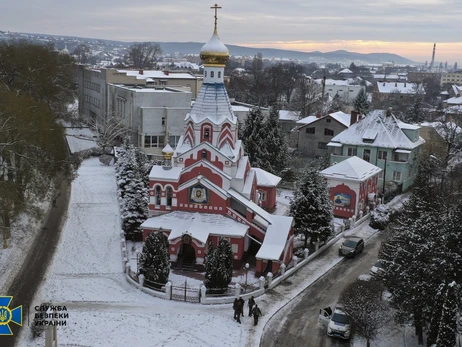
(204, 154)
(206, 134)
(169, 196)
(157, 195)
(212, 74)
(219, 74)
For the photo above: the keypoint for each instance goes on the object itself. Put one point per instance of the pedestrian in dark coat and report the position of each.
(251, 304)
(256, 313)
(239, 309)
(235, 303)
(242, 305)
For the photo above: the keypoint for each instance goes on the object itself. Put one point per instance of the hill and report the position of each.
(340, 56)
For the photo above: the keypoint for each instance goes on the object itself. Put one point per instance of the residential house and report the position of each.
(381, 139)
(395, 91)
(315, 132)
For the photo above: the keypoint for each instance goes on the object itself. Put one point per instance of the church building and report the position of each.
(206, 188)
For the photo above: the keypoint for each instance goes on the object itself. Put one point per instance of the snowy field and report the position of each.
(105, 310)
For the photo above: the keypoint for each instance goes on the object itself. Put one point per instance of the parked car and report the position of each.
(377, 268)
(338, 322)
(352, 246)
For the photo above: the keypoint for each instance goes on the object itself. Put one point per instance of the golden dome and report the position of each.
(214, 52)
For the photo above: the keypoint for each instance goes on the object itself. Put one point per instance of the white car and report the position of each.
(338, 322)
(377, 268)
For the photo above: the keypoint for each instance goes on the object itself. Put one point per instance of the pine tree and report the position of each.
(311, 207)
(415, 113)
(337, 103)
(448, 323)
(361, 104)
(219, 272)
(254, 137)
(275, 144)
(154, 262)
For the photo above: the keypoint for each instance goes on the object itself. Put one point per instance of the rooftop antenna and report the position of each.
(433, 57)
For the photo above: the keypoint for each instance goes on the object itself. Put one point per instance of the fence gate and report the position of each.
(185, 293)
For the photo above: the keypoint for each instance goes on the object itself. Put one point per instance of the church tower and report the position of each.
(211, 118)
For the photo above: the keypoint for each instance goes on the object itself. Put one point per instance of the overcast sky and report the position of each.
(405, 27)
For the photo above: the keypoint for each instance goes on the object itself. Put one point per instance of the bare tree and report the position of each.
(307, 97)
(361, 300)
(82, 53)
(143, 55)
(108, 128)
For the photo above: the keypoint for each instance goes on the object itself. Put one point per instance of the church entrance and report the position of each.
(187, 254)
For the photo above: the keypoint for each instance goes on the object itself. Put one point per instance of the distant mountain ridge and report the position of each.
(340, 56)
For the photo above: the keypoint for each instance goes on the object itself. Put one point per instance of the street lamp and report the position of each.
(246, 268)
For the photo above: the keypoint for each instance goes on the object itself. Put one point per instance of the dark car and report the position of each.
(352, 246)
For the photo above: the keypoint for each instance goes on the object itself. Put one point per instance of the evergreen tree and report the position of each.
(448, 323)
(219, 266)
(361, 104)
(154, 261)
(311, 207)
(415, 113)
(275, 144)
(254, 137)
(337, 103)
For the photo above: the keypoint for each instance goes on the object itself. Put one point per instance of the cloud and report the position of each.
(329, 23)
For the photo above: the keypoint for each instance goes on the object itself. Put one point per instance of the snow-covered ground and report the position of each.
(105, 310)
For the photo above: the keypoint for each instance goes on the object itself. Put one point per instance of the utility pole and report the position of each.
(384, 177)
(322, 92)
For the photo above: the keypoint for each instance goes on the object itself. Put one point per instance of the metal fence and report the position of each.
(185, 293)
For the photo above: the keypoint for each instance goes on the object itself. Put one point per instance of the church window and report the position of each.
(169, 196)
(204, 154)
(205, 74)
(219, 74)
(206, 134)
(157, 195)
(212, 74)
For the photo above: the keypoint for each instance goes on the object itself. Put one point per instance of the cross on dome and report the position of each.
(216, 8)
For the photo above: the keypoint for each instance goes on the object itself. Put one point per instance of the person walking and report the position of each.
(235, 303)
(242, 305)
(256, 313)
(251, 304)
(239, 309)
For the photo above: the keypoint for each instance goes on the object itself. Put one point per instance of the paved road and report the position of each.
(30, 275)
(297, 323)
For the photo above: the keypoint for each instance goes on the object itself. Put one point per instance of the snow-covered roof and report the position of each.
(341, 117)
(454, 101)
(247, 189)
(241, 167)
(389, 130)
(400, 87)
(275, 238)
(214, 45)
(387, 77)
(265, 178)
(289, 115)
(212, 103)
(332, 82)
(198, 225)
(408, 126)
(165, 173)
(239, 108)
(307, 120)
(156, 74)
(346, 71)
(353, 168)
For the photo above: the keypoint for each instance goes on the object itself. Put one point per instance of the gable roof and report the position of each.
(400, 87)
(265, 178)
(339, 116)
(289, 115)
(353, 168)
(389, 130)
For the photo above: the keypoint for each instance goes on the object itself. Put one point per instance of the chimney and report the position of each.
(396, 84)
(166, 73)
(404, 84)
(318, 115)
(141, 71)
(384, 84)
(354, 117)
(389, 111)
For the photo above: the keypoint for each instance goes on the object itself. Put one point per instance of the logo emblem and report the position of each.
(8, 316)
